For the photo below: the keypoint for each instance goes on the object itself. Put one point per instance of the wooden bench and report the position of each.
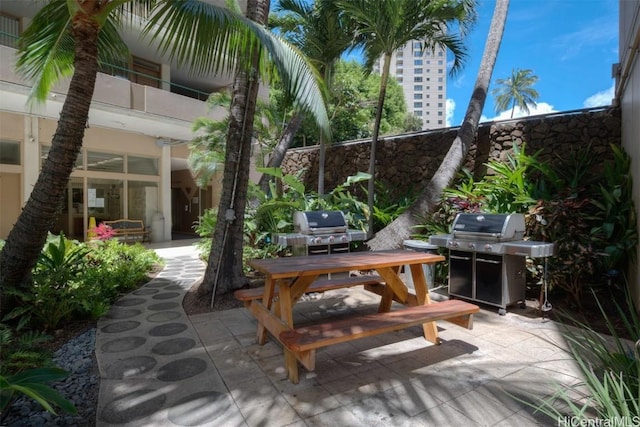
(320, 285)
(324, 334)
(128, 230)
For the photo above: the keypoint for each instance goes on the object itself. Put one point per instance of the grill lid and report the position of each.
(317, 222)
(502, 227)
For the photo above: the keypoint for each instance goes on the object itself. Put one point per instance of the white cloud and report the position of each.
(540, 108)
(450, 108)
(600, 99)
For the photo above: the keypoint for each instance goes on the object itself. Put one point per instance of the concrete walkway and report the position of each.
(160, 367)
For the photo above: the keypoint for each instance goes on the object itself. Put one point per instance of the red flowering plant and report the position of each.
(102, 232)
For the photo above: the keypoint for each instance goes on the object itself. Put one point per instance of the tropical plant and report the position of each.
(52, 298)
(516, 91)
(427, 200)
(32, 383)
(70, 37)
(610, 366)
(385, 26)
(323, 33)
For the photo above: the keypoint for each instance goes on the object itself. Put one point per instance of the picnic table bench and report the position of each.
(287, 279)
(128, 230)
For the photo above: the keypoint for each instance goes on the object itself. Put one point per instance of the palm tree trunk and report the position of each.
(28, 235)
(281, 148)
(374, 140)
(224, 271)
(400, 229)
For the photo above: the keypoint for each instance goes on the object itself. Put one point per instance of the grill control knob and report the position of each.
(344, 238)
(454, 244)
(472, 245)
(317, 240)
(488, 247)
(331, 239)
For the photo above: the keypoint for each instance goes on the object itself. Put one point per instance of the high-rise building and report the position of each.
(423, 76)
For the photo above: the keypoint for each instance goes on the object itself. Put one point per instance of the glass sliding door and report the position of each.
(71, 218)
(105, 199)
(143, 200)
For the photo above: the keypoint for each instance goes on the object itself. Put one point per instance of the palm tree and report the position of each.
(385, 26)
(516, 91)
(400, 228)
(69, 37)
(323, 34)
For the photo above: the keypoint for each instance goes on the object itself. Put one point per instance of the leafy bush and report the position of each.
(76, 280)
(583, 206)
(611, 369)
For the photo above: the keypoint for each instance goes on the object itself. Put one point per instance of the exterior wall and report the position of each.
(628, 96)
(405, 162)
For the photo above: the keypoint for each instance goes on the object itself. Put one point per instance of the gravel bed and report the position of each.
(81, 387)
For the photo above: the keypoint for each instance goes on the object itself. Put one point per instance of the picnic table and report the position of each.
(288, 278)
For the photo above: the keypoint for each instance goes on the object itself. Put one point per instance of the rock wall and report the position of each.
(406, 162)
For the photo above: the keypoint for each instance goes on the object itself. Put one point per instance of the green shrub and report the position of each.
(610, 366)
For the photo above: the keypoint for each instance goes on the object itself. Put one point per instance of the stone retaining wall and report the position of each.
(406, 162)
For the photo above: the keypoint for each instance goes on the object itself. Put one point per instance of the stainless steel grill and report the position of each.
(320, 232)
(487, 257)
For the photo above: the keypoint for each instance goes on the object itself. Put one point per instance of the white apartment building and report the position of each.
(133, 161)
(423, 76)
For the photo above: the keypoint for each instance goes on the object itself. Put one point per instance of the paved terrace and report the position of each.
(160, 367)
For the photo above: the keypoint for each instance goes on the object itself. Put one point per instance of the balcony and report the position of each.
(117, 103)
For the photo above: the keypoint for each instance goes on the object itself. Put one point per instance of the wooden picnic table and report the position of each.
(290, 277)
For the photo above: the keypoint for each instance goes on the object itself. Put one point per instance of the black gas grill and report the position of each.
(319, 232)
(487, 257)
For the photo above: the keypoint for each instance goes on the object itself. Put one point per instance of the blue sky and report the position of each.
(569, 44)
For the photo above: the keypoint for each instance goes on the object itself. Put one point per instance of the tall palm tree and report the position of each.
(384, 26)
(400, 228)
(69, 37)
(516, 91)
(323, 34)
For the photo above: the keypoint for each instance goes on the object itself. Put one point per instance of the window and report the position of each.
(439, 96)
(417, 79)
(439, 87)
(9, 30)
(440, 80)
(439, 104)
(417, 87)
(439, 113)
(417, 54)
(145, 72)
(417, 96)
(439, 122)
(417, 46)
(439, 70)
(105, 162)
(142, 165)
(418, 113)
(143, 198)
(440, 62)
(440, 53)
(9, 152)
(417, 71)
(417, 105)
(399, 79)
(44, 152)
(417, 62)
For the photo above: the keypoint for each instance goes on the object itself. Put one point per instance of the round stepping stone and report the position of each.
(122, 313)
(133, 406)
(130, 367)
(167, 329)
(163, 306)
(166, 295)
(174, 288)
(145, 292)
(163, 316)
(181, 369)
(123, 344)
(128, 302)
(118, 327)
(173, 346)
(202, 408)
